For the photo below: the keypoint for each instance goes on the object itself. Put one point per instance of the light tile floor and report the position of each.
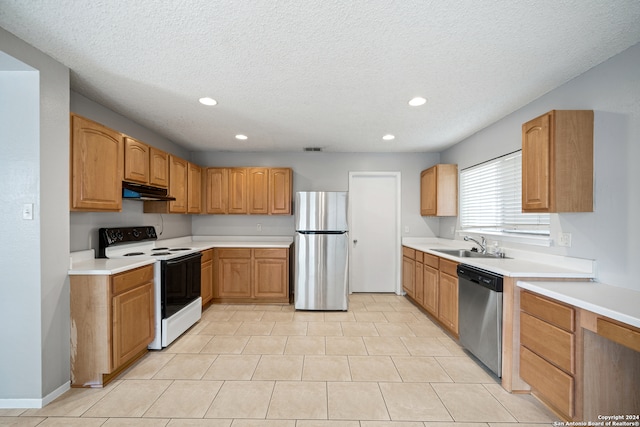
(382, 363)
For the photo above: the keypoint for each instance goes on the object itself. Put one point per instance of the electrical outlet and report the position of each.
(564, 239)
(259, 227)
(406, 228)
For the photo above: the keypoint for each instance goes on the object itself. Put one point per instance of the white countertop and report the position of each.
(519, 264)
(614, 302)
(85, 263)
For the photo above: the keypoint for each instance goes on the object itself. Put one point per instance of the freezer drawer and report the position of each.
(321, 271)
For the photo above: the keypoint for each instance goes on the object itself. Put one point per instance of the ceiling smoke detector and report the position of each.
(312, 148)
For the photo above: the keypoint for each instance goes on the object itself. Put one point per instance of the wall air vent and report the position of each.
(312, 148)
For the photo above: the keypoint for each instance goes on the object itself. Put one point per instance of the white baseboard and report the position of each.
(35, 403)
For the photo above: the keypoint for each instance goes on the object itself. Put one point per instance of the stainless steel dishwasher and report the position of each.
(480, 315)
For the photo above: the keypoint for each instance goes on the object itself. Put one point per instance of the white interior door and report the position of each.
(374, 230)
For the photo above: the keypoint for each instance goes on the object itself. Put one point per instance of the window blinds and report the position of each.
(490, 198)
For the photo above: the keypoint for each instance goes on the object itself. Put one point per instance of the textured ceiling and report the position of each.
(325, 73)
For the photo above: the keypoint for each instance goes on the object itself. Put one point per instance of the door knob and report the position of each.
(355, 241)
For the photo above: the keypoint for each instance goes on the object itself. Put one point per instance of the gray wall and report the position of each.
(34, 168)
(85, 225)
(611, 234)
(318, 172)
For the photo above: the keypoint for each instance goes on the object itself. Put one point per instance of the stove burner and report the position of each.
(161, 253)
(159, 249)
(179, 249)
(134, 254)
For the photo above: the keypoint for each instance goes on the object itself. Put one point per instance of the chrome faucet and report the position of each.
(483, 245)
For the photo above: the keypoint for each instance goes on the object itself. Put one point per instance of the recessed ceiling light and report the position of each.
(242, 137)
(208, 101)
(388, 137)
(417, 101)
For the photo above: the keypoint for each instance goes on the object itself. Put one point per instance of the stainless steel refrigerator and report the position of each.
(321, 251)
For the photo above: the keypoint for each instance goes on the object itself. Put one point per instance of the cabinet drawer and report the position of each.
(553, 312)
(271, 253)
(408, 252)
(431, 260)
(234, 253)
(552, 384)
(625, 335)
(419, 256)
(130, 279)
(448, 267)
(548, 341)
(207, 255)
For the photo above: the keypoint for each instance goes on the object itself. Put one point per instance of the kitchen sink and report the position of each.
(465, 253)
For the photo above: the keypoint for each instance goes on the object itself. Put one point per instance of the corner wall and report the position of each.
(34, 359)
(610, 234)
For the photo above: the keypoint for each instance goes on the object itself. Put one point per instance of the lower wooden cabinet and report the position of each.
(408, 270)
(206, 276)
(432, 282)
(548, 351)
(112, 323)
(448, 295)
(251, 275)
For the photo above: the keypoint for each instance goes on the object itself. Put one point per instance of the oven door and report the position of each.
(180, 283)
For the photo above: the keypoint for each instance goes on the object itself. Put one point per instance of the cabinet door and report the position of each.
(233, 273)
(217, 189)
(194, 189)
(96, 166)
(270, 278)
(448, 305)
(418, 288)
(280, 188)
(428, 195)
(136, 161)
(158, 168)
(237, 191)
(133, 323)
(536, 155)
(408, 275)
(430, 283)
(178, 184)
(206, 276)
(258, 191)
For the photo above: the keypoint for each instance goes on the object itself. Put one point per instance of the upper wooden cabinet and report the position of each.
(158, 168)
(96, 166)
(194, 189)
(216, 190)
(258, 191)
(439, 191)
(250, 190)
(185, 184)
(178, 171)
(136, 161)
(237, 203)
(280, 190)
(557, 162)
(144, 164)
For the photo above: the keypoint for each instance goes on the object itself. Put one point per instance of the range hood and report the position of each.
(131, 191)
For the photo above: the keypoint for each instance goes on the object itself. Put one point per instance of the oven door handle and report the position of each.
(184, 258)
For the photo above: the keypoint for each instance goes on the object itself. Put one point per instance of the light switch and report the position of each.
(27, 211)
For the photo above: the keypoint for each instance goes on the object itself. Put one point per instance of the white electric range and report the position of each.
(177, 273)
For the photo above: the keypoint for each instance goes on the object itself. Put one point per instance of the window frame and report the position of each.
(510, 224)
